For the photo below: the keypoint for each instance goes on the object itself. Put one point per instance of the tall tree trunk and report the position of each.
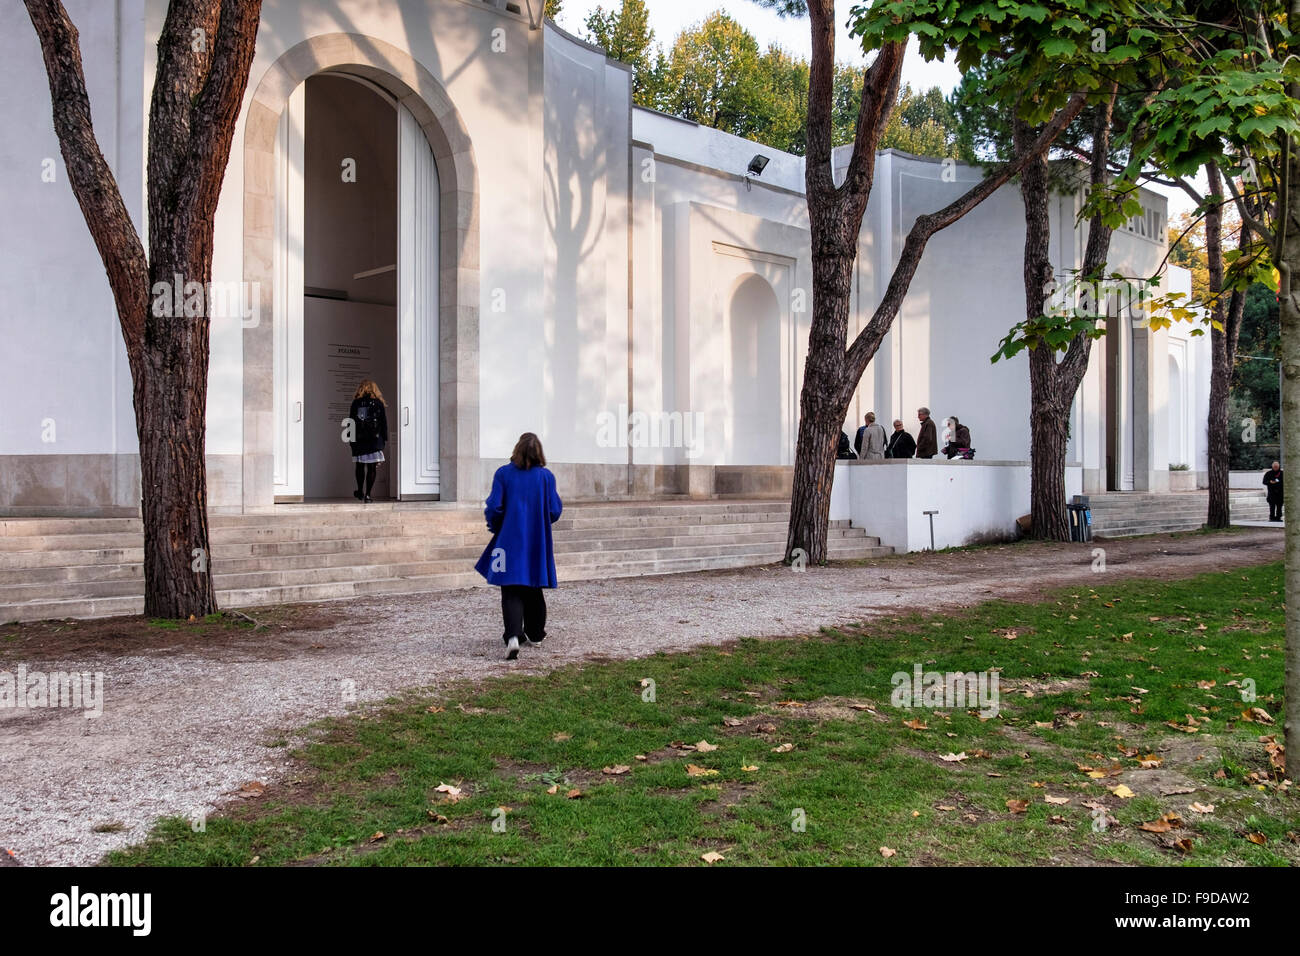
(1052, 383)
(205, 52)
(1218, 450)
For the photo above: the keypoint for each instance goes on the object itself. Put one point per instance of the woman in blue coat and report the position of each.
(520, 558)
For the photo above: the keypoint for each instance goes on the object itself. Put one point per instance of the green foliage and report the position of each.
(625, 35)
(1254, 391)
(1036, 55)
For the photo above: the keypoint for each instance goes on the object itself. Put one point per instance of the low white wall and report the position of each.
(975, 500)
(1254, 480)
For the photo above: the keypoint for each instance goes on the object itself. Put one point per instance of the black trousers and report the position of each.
(1274, 511)
(524, 610)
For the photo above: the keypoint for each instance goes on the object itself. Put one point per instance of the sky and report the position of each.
(670, 17)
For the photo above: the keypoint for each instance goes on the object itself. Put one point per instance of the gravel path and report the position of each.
(182, 730)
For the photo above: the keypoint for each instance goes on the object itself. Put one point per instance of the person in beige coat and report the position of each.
(870, 442)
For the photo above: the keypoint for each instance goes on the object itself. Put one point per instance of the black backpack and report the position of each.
(367, 421)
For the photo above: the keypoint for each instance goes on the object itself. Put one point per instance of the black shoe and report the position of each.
(358, 495)
(368, 499)
(533, 643)
(512, 648)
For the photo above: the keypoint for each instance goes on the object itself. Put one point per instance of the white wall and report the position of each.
(56, 309)
(975, 501)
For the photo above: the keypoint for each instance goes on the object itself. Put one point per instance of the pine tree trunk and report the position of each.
(1218, 452)
(1218, 449)
(170, 402)
(824, 401)
(1049, 414)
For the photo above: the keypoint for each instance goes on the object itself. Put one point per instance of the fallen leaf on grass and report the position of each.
(437, 818)
(254, 788)
(1048, 798)
(573, 794)
(1257, 838)
(436, 709)
(886, 852)
(790, 703)
(616, 770)
(732, 721)
(1150, 762)
(915, 724)
(560, 738)
(693, 771)
(704, 746)
(712, 856)
(642, 757)
(1017, 806)
(953, 758)
(783, 749)
(750, 769)
(1123, 792)
(1257, 715)
(945, 807)
(554, 788)
(377, 837)
(1198, 807)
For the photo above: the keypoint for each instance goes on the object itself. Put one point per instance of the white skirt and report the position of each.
(372, 458)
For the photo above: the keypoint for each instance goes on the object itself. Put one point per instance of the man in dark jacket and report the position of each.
(1273, 482)
(927, 440)
(900, 444)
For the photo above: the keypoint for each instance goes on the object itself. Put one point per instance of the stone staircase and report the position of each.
(54, 568)
(1125, 513)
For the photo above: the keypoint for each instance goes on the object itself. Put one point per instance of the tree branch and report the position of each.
(868, 340)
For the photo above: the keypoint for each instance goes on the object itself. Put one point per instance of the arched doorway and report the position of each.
(436, 273)
(753, 386)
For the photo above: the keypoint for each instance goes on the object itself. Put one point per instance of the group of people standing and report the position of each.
(872, 443)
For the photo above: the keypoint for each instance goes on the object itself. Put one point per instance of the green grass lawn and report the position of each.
(1101, 687)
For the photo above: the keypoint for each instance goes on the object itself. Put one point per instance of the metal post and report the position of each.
(931, 514)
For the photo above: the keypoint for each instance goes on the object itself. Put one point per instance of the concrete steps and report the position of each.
(86, 567)
(1123, 514)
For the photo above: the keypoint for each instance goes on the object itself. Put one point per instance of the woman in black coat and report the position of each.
(1273, 482)
(369, 435)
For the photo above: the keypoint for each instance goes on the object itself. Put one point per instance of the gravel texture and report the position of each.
(182, 730)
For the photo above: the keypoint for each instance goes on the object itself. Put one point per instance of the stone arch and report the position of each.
(415, 88)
